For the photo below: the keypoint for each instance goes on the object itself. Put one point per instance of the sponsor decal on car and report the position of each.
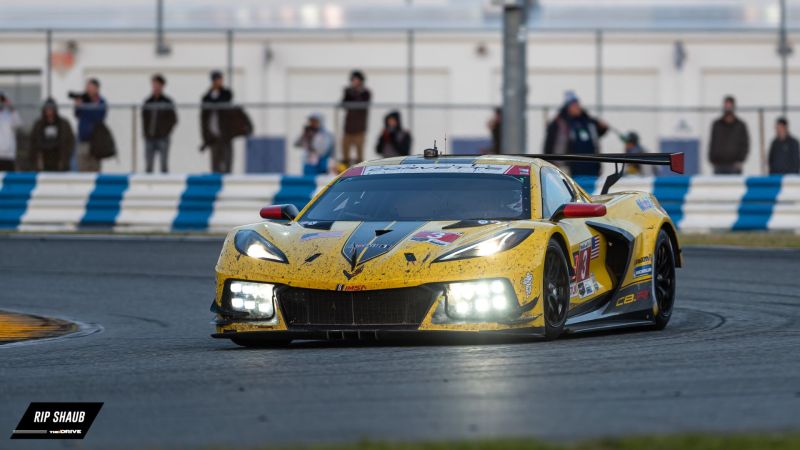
(640, 271)
(642, 260)
(499, 169)
(436, 237)
(527, 282)
(633, 294)
(351, 288)
(584, 288)
(645, 203)
(321, 235)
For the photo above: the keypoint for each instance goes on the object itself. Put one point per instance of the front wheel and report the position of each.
(663, 279)
(555, 290)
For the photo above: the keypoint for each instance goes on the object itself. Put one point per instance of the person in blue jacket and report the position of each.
(575, 132)
(90, 109)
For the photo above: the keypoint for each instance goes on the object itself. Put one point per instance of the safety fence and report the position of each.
(215, 203)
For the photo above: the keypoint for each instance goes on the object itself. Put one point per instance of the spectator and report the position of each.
(215, 124)
(495, 128)
(632, 147)
(9, 122)
(730, 141)
(90, 109)
(355, 120)
(158, 120)
(318, 144)
(784, 153)
(574, 132)
(52, 140)
(393, 140)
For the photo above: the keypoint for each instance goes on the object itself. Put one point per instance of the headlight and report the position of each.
(250, 243)
(480, 300)
(255, 299)
(499, 243)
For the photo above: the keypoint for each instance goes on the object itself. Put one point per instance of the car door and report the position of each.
(586, 246)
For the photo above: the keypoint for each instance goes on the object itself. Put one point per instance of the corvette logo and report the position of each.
(350, 275)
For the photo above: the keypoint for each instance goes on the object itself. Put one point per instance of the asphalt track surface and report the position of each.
(729, 361)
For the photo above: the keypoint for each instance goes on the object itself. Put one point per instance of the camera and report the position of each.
(76, 95)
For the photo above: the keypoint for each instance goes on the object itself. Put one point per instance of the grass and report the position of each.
(777, 441)
(742, 239)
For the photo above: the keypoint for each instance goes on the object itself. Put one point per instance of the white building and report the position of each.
(657, 63)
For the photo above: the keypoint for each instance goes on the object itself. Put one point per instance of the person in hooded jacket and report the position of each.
(52, 140)
(393, 140)
(575, 132)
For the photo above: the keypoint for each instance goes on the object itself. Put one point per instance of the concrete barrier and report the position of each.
(188, 203)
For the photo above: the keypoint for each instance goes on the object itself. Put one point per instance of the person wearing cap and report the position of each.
(355, 119)
(90, 109)
(317, 143)
(632, 147)
(784, 152)
(9, 122)
(215, 124)
(575, 132)
(52, 140)
(730, 141)
(158, 120)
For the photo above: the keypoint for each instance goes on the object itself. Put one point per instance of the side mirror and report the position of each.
(279, 212)
(579, 211)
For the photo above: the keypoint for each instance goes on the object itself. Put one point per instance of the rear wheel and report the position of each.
(555, 290)
(663, 279)
(260, 343)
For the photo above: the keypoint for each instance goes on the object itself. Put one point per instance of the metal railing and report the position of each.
(284, 121)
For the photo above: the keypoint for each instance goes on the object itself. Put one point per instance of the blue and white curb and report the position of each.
(210, 202)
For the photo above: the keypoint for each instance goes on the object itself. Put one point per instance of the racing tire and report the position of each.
(663, 279)
(555, 291)
(261, 343)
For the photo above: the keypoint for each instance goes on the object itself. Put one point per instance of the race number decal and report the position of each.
(582, 259)
(436, 237)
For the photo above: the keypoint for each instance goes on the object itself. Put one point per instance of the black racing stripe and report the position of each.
(365, 244)
(362, 235)
(385, 242)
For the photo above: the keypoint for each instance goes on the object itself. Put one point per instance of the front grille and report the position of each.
(388, 307)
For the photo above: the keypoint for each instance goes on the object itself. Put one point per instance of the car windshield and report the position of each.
(428, 196)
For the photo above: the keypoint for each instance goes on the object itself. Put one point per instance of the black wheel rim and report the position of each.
(664, 279)
(556, 295)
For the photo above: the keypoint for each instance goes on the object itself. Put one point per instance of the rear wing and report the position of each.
(675, 161)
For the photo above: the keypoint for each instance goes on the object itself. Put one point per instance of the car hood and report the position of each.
(325, 251)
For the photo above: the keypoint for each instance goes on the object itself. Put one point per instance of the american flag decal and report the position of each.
(595, 246)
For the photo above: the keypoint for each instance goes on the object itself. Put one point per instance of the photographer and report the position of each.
(9, 122)
(90, 110)
(318, 145)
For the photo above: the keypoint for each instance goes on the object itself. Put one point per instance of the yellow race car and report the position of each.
(451, 246)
